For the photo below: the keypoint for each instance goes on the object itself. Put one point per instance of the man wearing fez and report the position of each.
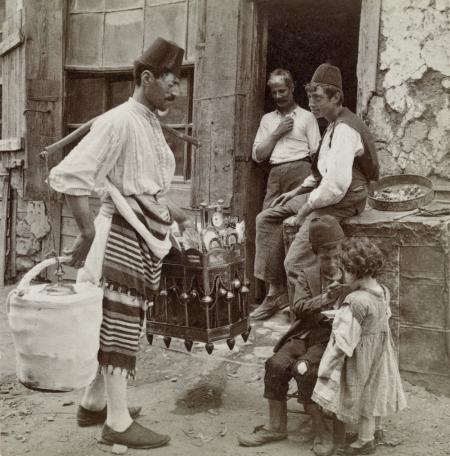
(125, 153)
(341, 170)
(300, 349)
(287, 138)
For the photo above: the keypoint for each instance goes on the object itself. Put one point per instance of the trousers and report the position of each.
(271, 263)
(280, 369)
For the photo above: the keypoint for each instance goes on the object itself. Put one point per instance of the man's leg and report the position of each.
(118, 417)
(94, 395)
(323, 440)
(278, 373)
(92, 409)
(269, 255)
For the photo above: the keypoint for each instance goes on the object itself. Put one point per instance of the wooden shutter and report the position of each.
(44, 49)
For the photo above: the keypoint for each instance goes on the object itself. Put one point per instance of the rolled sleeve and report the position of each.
(89, 162)
(302, 294)
(310, 181)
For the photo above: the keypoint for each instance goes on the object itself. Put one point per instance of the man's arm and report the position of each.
(336, 180)
(312, 134)
(179, 216)
(339, 170)
(79, 205)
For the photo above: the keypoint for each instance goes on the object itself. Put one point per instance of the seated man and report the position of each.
(287, 138)
(298, 353)
(341, 170)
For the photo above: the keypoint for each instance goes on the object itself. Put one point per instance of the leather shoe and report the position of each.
(367, 448)
(270, 306)
(136, 436)
(87, 417)
(261, 436)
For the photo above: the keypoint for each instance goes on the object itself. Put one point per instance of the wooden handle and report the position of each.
(24, 284)
(84, 129)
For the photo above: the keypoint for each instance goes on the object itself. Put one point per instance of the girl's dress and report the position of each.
(358, 373)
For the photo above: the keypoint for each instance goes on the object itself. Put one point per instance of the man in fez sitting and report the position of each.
(299, 351)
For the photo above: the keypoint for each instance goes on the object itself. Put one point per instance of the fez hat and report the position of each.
(324, 232)
(327, 74)
(163, 55)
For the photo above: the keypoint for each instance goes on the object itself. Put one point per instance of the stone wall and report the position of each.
(31, 229)
(410, 112)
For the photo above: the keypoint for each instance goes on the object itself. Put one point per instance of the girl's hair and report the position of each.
(361, 257)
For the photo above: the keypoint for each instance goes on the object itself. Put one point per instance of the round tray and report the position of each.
(407, 205)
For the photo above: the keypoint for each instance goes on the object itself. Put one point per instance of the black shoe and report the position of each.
(136, 436)
(379, 437)
(87, 417)
(367, 448)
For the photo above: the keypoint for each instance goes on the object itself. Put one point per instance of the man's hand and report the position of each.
(334, 290)
(301, 217)
(186, 224)
(80, 249)
(284, 198)
(286, 124)
(179, 216)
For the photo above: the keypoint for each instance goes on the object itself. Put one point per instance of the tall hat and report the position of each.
(324, 232)
(163, 55)
(328, 74)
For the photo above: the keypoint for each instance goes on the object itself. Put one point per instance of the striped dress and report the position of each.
(358, 373)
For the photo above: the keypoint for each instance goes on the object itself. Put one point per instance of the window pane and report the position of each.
(85, 99)
(177, 146)
(120, 91)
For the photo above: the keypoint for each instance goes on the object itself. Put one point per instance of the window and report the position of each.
(91, 94)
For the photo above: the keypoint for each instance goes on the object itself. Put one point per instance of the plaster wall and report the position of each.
(410, 111)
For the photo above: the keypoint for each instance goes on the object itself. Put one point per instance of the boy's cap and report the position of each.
(324, 231)
(327, 74)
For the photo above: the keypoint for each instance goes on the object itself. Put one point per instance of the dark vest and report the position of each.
(366, 167)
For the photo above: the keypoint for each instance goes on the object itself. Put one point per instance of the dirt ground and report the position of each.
(203, 401)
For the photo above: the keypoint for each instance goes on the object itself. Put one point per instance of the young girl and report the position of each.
(359, 378)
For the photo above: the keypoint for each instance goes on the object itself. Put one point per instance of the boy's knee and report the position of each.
(276, 365)
(289, 262)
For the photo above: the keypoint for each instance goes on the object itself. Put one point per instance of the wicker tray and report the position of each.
(407, 205)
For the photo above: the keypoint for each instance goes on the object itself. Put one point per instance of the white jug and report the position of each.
(56, 331)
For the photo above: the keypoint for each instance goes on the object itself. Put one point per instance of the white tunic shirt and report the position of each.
(301, 142)
(127, 145)
(335, 164)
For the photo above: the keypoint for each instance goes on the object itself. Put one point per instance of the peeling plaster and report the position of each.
(410, 117)
(436, 53)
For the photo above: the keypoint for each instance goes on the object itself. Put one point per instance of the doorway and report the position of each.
(302, 34)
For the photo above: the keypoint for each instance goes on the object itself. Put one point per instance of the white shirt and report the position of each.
(127, 145)
(335, 165)
(301, 142)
